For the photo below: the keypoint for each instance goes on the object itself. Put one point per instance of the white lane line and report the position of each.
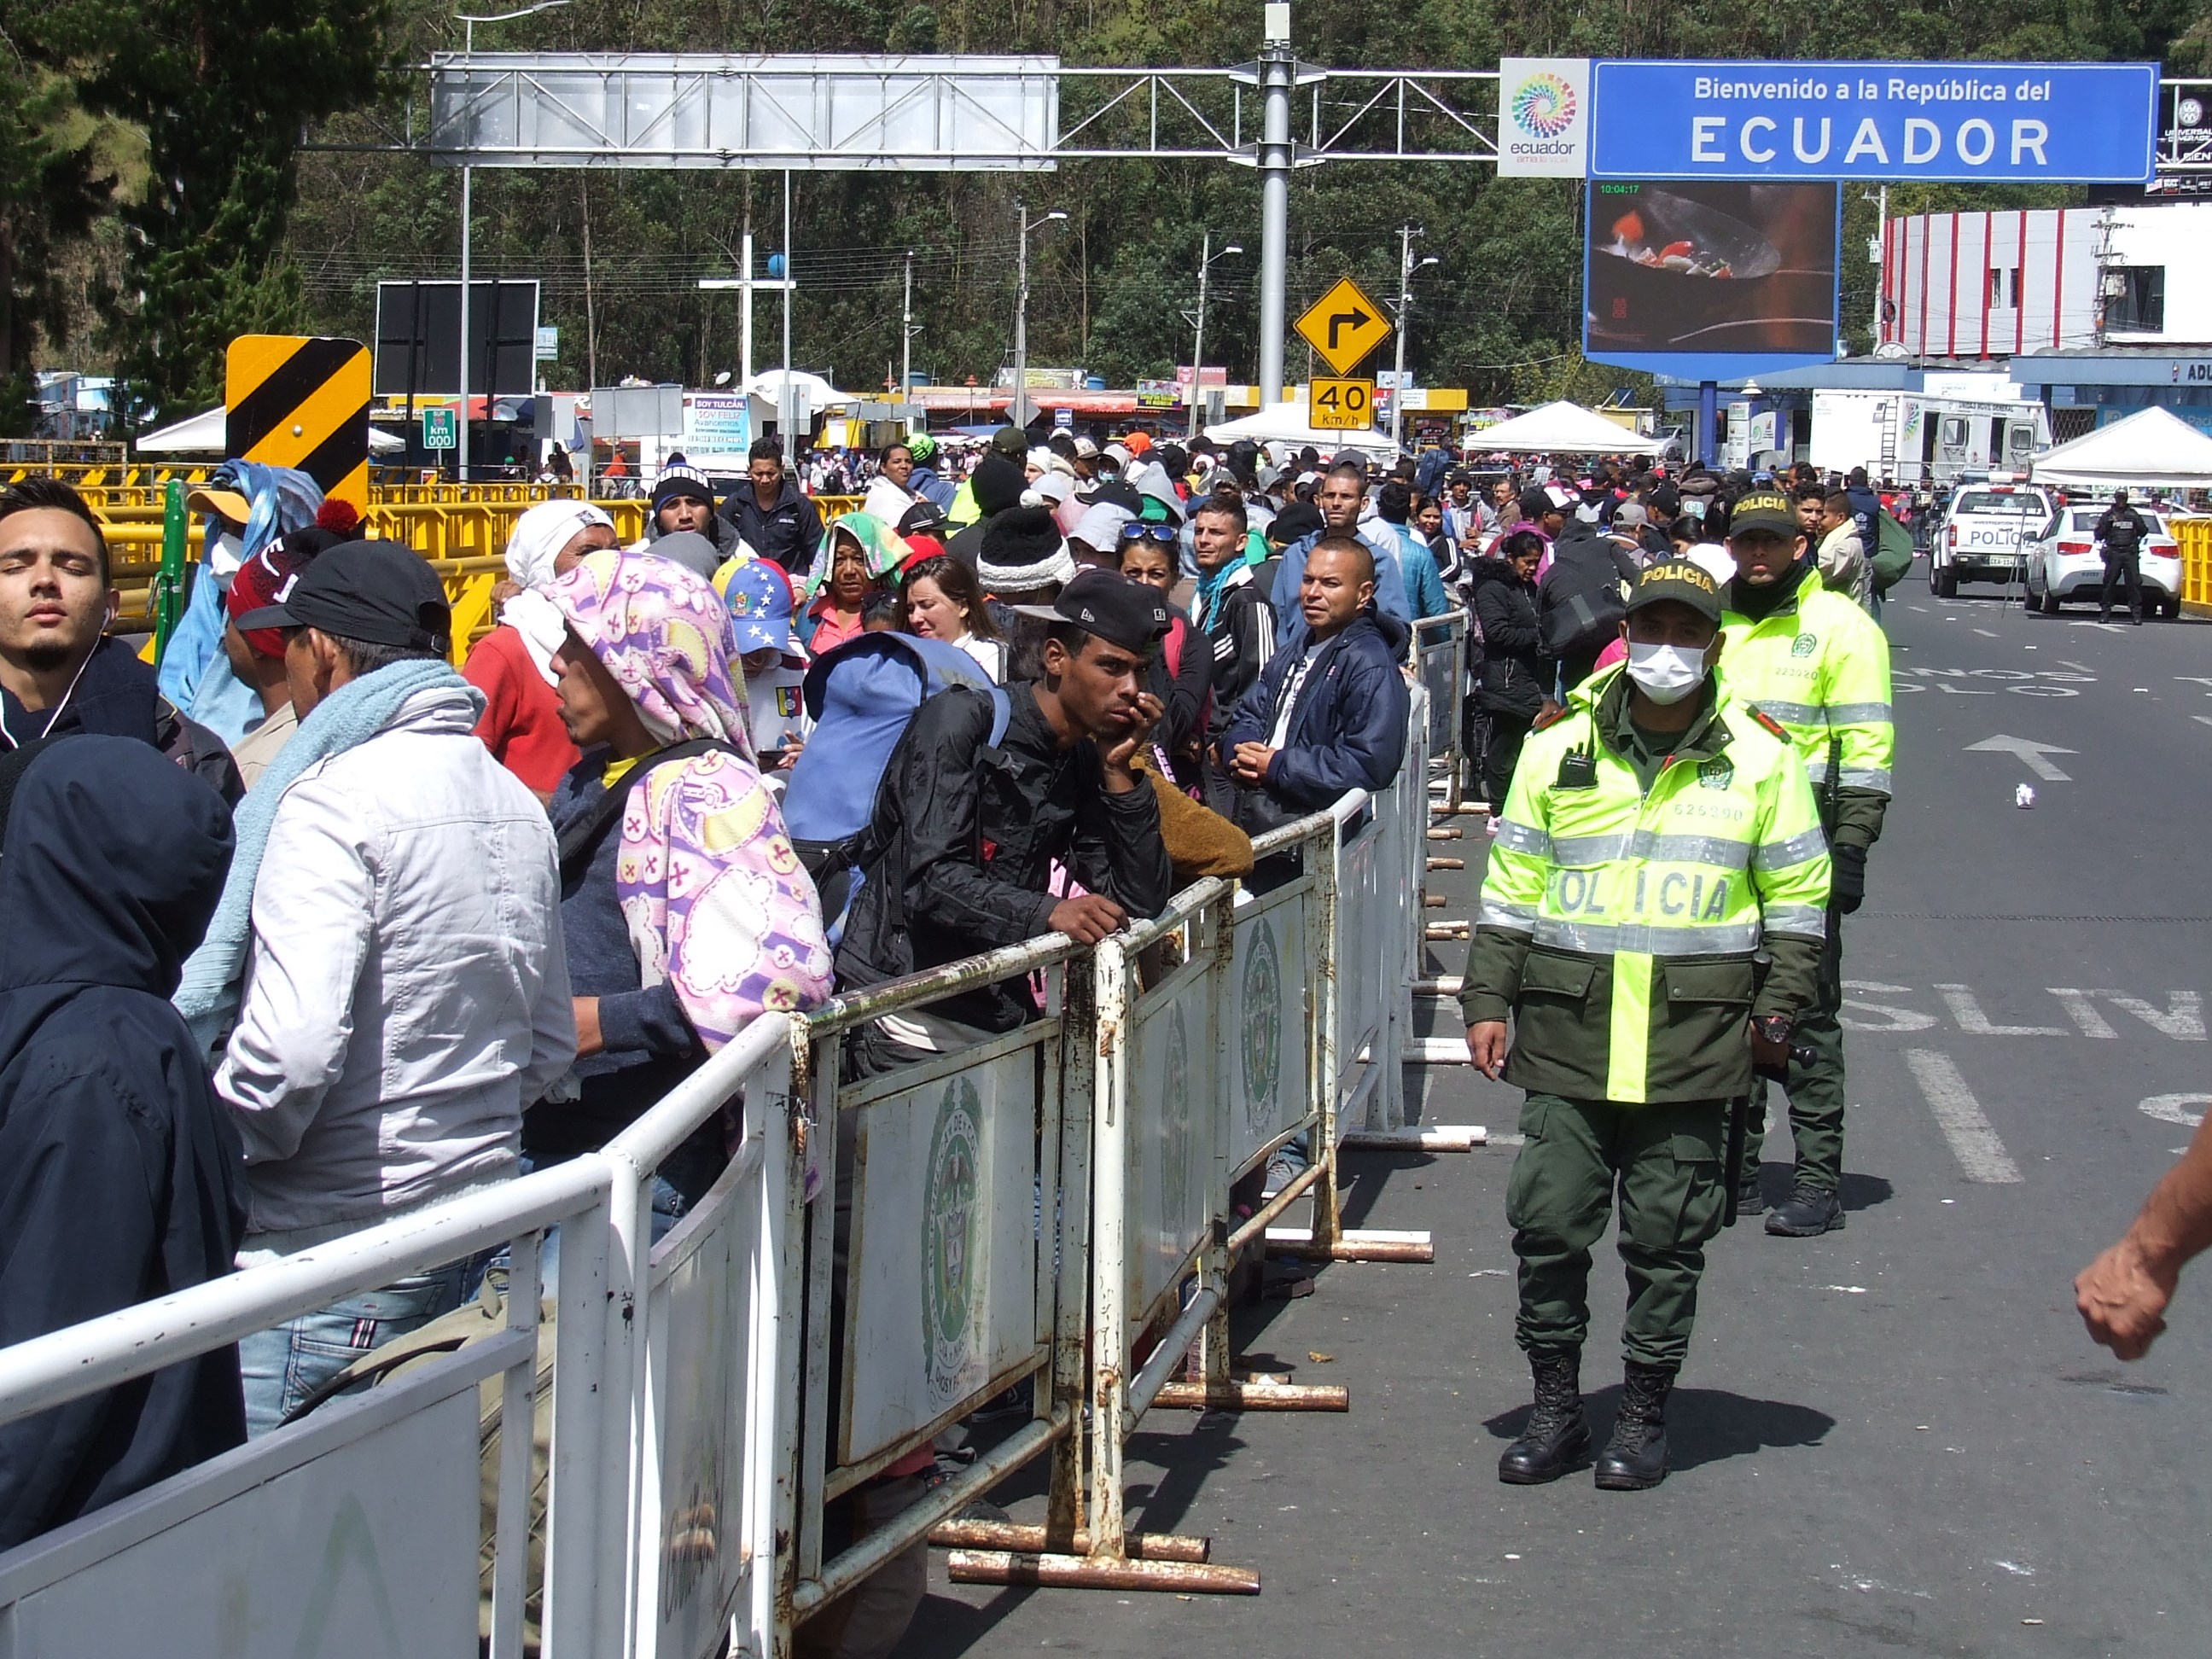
(1982, 1157)
(1985, 632)
(2204, 720)
(2078, 667)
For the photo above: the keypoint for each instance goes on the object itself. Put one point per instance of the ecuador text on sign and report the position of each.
(1982, 122)
(1344, 325)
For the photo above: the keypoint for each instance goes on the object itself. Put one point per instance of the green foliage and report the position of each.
(235, 228)
(52, 188)
(221, 90)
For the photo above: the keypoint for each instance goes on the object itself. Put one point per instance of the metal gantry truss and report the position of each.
(916, 113)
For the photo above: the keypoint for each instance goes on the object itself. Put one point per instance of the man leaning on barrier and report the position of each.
(957, 858)
(1658, 834)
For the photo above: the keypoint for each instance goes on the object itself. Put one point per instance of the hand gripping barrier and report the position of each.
(879, 1259)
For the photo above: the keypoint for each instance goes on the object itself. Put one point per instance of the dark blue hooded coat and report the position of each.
(120, 1178)
(1348, 730)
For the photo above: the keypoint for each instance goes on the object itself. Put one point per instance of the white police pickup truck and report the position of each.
(1989, 532)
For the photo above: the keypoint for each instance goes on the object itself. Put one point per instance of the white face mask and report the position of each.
(1668, 673)
(224, 555)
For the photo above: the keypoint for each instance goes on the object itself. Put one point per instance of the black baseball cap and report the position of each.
(1764, 509)
(1678, 582)
(380, 592)
(1107, 604)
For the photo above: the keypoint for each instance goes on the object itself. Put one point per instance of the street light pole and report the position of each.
(1278, 75)
(1017, 408)
(461, 415)
(1206, 256)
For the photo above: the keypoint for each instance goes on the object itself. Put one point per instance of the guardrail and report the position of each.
(879, 1258)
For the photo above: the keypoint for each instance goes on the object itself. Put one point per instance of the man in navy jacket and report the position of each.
(1328, 714)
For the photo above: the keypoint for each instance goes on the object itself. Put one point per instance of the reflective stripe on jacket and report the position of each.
(1620, 927)
(1818, 666)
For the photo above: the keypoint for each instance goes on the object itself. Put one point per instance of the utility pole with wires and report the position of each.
(906, 343)
(1206, 256)
(1406, 267)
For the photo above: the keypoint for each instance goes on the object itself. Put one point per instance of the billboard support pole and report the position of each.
(461, 412)
(1709, 399)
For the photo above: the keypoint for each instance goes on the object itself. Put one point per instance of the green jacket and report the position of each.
(1620, 930)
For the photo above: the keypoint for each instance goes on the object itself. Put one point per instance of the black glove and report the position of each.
(1847, 883)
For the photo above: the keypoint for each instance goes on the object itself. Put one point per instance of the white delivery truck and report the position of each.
(1918, 438)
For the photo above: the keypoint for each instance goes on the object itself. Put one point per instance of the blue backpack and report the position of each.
(862, 696)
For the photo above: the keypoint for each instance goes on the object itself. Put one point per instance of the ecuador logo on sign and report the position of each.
(297, 401)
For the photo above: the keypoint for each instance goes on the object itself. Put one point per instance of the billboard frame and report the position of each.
(1713, 367)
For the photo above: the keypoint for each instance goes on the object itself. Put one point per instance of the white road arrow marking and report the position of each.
(2030, 752)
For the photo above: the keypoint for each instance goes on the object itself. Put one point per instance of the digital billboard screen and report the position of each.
(1710, 280)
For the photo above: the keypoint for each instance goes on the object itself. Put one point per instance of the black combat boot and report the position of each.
(1635, 1457)
(1558, 1436)
(1750, 1197)
(1810, 1211)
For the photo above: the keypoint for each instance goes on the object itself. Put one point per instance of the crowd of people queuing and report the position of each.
(308, 928)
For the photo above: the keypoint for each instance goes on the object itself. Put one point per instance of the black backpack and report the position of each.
(1584, 596)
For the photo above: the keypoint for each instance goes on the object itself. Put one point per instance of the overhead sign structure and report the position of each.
(1965, 122)
(1543, 118)
(300, 401)
(1341, 405)
(1344, 325)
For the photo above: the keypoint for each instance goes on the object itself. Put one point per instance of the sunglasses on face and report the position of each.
(1163, 533)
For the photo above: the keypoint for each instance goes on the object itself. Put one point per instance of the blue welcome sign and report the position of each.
(1971, 123)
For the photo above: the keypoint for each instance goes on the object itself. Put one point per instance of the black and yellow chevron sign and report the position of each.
(302, 401)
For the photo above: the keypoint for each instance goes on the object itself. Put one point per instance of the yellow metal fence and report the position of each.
(463, 529)
(2195, 536)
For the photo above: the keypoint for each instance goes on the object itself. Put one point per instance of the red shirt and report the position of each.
(521, 724)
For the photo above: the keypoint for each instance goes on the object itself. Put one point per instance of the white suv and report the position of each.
(2065, 563)
(1988, 531)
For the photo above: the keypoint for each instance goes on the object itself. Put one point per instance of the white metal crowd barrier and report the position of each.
(878, 1260)
(1438, 654)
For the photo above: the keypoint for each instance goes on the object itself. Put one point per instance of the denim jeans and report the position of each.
(283, 1367)
(670, 1205)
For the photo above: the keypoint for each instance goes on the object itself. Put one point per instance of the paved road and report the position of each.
(1893, 1439)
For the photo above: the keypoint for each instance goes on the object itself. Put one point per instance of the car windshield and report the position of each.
(2085, 518)
(1991, 500)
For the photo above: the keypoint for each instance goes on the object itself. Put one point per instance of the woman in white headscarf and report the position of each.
(512, 664)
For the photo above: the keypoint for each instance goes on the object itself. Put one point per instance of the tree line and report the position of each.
(156, 197)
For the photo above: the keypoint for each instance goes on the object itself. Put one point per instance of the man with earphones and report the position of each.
(60, 672)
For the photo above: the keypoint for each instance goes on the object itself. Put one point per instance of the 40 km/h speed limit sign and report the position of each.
(1343, 405)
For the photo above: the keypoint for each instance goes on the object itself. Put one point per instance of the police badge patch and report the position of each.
(1804, 645)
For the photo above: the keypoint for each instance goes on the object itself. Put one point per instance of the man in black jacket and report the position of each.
(957, 858)
(2120, 536)
(772, 512)
(1585, 598)
(59, 671)
(120, 1180)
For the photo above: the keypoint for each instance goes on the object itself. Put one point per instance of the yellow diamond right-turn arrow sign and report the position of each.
(1344, 325)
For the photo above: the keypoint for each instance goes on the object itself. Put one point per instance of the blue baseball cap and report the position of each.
(758, 594)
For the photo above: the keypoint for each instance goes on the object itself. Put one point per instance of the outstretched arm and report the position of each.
(2122, 1294)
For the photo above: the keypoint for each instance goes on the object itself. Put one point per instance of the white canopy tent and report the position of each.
(1562, 428)
(203, 434)
(2153, 447)
(1291, 424)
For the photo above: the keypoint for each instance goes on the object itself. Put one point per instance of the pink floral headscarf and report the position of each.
(665, 637)
(716, 901)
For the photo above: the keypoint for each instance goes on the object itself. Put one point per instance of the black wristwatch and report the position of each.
(1773, 1028)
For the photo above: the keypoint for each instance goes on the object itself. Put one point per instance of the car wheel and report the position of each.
(2170, 609)
(1944, 582)
(2050, 602)
(2028, 598)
